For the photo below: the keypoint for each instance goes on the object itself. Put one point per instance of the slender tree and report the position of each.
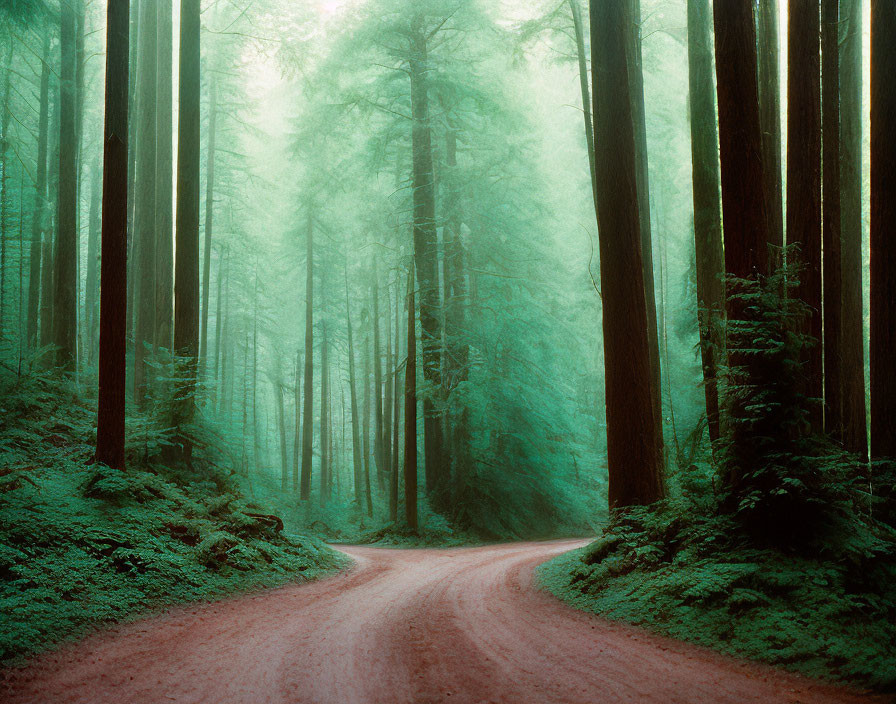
(707, 205)
(804, 184)
(297, 442)
(209, 218)
(66, 275)
(378, 447)
(883, 225)
(325, 459)
(357, 463)
(39, 215)
(164, 233)
(305, 488)
(92, 290)
(852, 338)
(281, 425)
(578, 27)
(410, 411)
(186, 266)
(631, 426)
(113, 291)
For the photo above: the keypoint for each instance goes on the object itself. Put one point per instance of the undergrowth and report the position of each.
(82, 545)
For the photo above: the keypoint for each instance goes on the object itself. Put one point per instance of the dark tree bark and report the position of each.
(164, 174)
(305, 488)
(209, 220)
(707, 205)
(145, 195)
(410, 411)
(744, 210)
(186, 266)
(39, 216)
(426, 256)
(831, 216)
(5, 197)
(65, 314)
(854, 411)
(631, 427)
(883, 227)
(770, 119)
(804, 186)
(113, 290)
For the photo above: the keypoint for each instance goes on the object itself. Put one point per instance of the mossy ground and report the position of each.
(827, 618)
(82, 546)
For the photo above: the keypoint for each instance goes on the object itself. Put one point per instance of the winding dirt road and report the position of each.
(463, 625)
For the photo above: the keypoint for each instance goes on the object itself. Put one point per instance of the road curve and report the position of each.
(460, 625)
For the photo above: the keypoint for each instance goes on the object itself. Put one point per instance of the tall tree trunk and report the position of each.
(5, 115)
(387, 400)
(744, 210)
(770, 120)
(410, 411)
(365, 429)
(65, 305)
(378, 388)
(426, 256)
(883, 225)
(357, 463)
(186, 266)
(635, 473)
(281, 423)
(209, 220)
(324, 416)
(305, 492)
(164, 171)
(579, 28)
(297, 441)
(833, 332)
(707, 205)
(91, 294)
(395, 410)
(855, 417)
(804, 185)
(134, 81)
(113, 290)
(145, 195)
(39, 215)
(642, 176)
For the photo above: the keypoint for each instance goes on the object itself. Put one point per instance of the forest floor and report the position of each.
(83, 546)
(429, 625)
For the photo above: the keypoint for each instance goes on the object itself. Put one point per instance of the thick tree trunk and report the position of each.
(634, 466)
(164, 174)
(5, 198)
(770, 119)
(832, 265)
(410, 412)
(209, 220)
(39, 215)
(145, 195)
(305, 488)
(113, 290)
(707, 206)
(65, 313)
(854, 411)
(883, 227)
(186, 266)
(426, 255)
(804, 186)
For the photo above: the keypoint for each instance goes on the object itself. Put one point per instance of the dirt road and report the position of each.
(462, 625)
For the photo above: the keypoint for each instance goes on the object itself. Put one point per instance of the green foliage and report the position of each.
(85, 545)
